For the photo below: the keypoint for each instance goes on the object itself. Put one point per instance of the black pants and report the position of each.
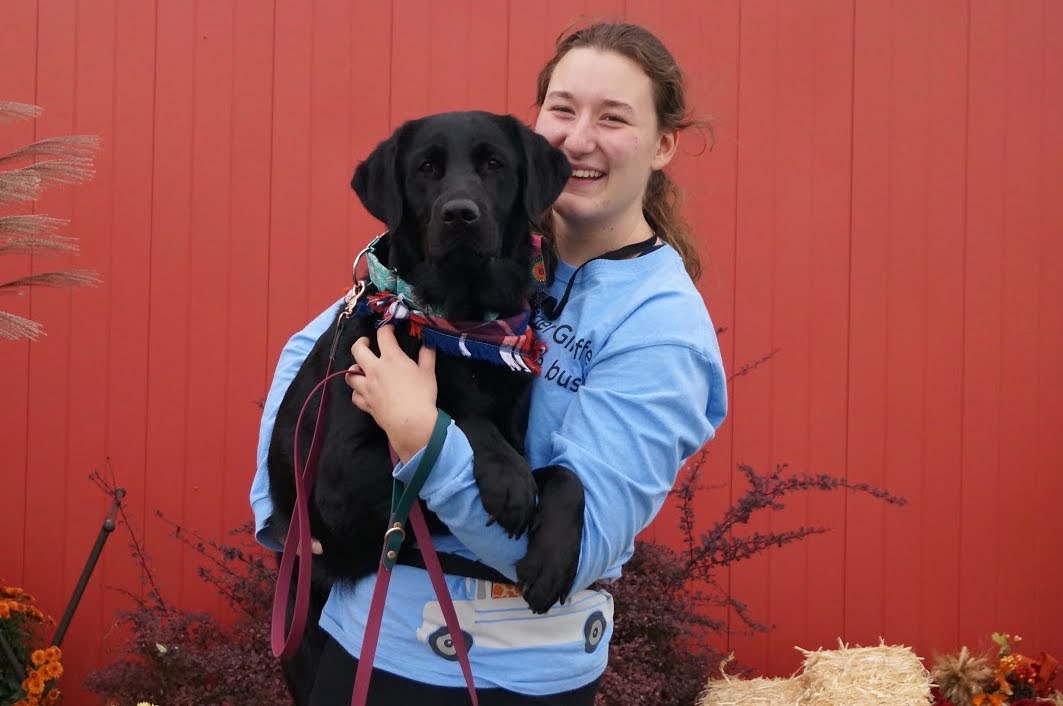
(335, 682)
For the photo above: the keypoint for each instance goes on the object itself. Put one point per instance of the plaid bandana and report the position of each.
(510, 342)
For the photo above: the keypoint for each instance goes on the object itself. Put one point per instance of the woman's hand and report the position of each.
(397, 391)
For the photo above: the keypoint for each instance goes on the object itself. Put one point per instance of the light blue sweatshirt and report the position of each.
(631, 386)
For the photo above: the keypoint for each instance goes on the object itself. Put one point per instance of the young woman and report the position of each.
(632, 385)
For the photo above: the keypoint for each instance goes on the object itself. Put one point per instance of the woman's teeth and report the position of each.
(586, 173)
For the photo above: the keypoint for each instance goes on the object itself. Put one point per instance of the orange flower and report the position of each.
(5, 610)
(54, 669)
(38, 658)
(33, 684)
(53, 653)
(53, 696)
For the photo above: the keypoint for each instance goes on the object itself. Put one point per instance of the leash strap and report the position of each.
(405, 506)
(297, 543)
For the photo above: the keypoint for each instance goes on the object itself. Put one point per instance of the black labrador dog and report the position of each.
(458, 193)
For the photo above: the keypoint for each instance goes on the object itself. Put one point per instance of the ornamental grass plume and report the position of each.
(24, 174)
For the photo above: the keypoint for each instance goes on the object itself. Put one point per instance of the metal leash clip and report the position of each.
(358, 289)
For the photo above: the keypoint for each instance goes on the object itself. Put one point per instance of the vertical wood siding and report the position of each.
(882, 207)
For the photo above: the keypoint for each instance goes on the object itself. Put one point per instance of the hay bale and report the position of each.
(754, 692)
(866, 676)
(732, 691)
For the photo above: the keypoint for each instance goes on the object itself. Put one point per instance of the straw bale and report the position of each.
(732, 691)
(754, 692)
(866, 676)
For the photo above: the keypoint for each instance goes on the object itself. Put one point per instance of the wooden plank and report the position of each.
(1048, 482)
(1019, 265)
(89, 337)
(905, 264)
(486, 54)
(288, 298)
(18, 52)
(47, 441)
(448, 53)
(943, 401)
(789, 312)
(131, 151)
(372, 121)
(172, 332)
(330, 166)
(981, 547)
(530, 46)
(210, 259)
(827, 159)
(249, 372)
(411, 40)
(755, 276)
(865, 522)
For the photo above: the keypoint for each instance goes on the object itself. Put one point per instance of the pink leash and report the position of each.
(297, 543)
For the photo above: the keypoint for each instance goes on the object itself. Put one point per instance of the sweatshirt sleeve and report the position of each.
(641, 413)
(291, 359)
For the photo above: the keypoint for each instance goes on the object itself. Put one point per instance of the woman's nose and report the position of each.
(579, 139)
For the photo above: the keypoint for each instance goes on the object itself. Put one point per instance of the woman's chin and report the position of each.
(575, 208)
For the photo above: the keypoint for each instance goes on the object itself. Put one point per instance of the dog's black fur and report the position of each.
(458, 192)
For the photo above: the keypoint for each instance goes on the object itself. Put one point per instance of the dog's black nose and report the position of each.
(460, 212)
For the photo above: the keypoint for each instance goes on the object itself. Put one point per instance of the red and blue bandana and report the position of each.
(510, 341)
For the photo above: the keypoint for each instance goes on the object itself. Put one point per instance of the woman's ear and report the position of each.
(666, 147)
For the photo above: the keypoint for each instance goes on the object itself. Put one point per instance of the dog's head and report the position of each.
(458, 193)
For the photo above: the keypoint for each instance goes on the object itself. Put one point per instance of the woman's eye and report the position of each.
(561, 109)
(613, 119)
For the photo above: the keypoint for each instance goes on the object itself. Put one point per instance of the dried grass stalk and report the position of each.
(23, 244)
(31, 225)
(62, 171)
(9, 110)
(75, 147)
(19, 185)
(866, 676)
(14, 327)
(63, 278)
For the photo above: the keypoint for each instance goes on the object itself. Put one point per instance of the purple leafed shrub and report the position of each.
(663, 640)
(180, 658)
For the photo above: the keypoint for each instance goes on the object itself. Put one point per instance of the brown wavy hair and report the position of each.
(661, 204)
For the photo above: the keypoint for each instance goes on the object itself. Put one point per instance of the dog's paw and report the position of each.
(508, 496)
(547, 571)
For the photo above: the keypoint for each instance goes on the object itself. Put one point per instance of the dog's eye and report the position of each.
(427, 167)
(493, 164)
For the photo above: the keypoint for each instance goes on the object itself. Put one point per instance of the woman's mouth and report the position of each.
(587, 174)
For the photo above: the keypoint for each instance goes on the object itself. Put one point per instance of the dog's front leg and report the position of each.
(548, 570)
(507, 487)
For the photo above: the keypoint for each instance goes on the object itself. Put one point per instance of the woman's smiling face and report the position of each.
(599, 110)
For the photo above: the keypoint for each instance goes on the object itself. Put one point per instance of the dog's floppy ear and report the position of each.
(546, 170)
(378, 181)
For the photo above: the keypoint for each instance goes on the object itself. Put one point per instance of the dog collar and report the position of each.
(386, 279)
(510, 341)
